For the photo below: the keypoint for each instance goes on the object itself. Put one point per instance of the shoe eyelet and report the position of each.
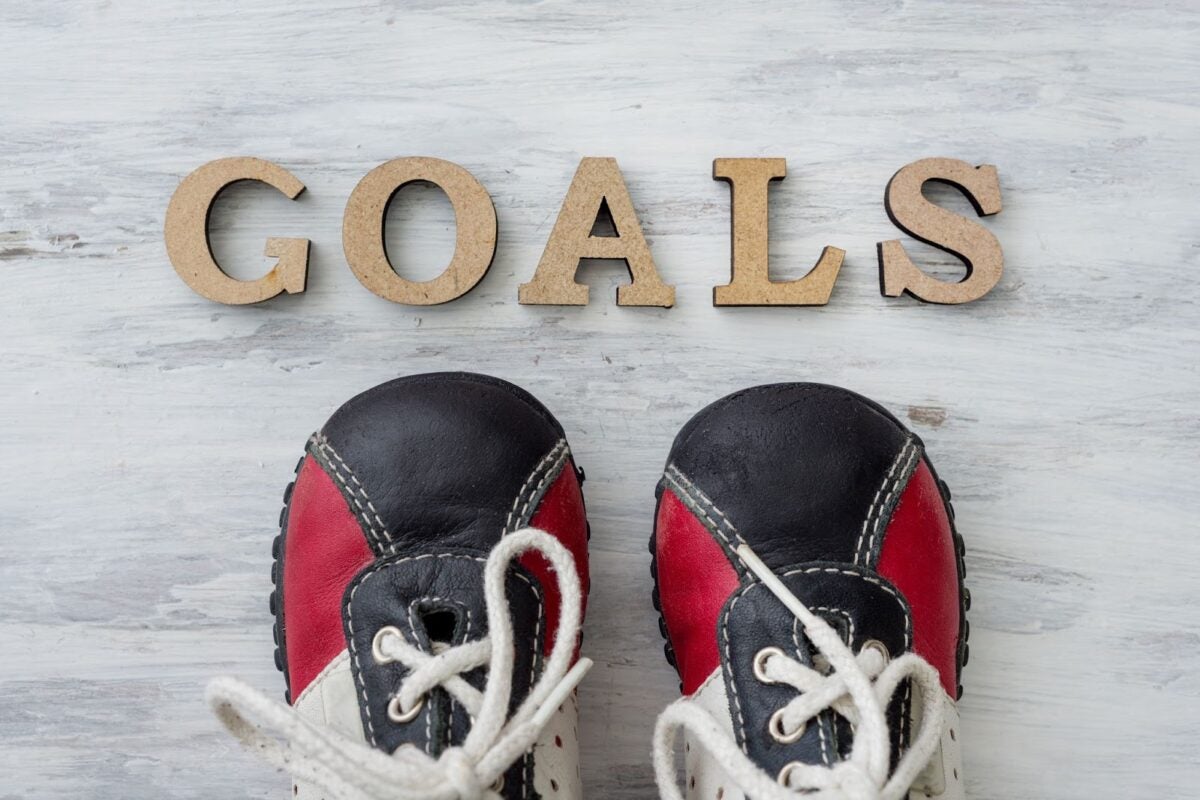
(775, 726)
(498, 784)
(878, 647)
(760, 663)
(377, 643)
(395, 714)
(785, 774)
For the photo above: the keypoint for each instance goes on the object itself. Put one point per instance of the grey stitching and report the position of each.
(546, 469)
(875, 518)
(367, 513)
(699, 502)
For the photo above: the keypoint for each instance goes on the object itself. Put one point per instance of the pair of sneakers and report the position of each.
(431, 576)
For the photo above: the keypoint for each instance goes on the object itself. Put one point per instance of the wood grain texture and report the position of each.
(148, 433)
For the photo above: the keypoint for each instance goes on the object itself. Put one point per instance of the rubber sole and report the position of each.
(275, 603)
(960, 552)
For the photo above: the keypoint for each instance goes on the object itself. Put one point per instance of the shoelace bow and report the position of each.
(858, 688)
(352, 770)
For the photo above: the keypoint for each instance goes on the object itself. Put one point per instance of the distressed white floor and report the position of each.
(147, 433)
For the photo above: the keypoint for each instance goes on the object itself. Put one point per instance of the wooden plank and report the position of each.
(148, 433)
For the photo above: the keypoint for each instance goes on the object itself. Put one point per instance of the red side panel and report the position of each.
(918, 558)
(560, 513)
(323, 550)
(695, 579)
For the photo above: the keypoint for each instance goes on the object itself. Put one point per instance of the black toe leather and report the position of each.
(437, 457)
(794, 467)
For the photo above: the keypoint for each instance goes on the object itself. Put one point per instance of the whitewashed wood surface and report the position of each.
(148, 433)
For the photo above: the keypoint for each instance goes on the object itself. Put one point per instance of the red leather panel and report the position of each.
(324, 548)
(560, 513)
(917, 556)
(695, 579)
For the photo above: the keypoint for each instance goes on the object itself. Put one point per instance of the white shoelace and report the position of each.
(351, 770)
(858, 688)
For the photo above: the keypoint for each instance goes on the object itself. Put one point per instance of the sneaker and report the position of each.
(430, 575)
(810, 582)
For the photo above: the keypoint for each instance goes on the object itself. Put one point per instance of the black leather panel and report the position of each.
(416, 594)
(859, 604)
(439, 458)
(795, 469)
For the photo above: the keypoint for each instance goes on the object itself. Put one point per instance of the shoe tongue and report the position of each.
(858, 604)
(436, 601)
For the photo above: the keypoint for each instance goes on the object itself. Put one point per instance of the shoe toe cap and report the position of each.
(795, 467)
(442, 456)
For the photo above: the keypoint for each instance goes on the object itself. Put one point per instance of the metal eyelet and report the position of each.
(785, 774)
(878, 647)
(395, 714)
(377, 643)
(498, 784)
(775, 726)
(760, 663)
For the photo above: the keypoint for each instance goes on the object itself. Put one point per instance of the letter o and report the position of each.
(363, 231)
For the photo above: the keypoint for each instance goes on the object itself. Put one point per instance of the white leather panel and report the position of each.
(556, 755)
(331, 701)
(943, 777)
(703, 777)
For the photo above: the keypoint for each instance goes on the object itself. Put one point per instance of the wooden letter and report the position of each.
(186, 234)
(912, 213)
(750, 283)
(597, 183)
(475, 239)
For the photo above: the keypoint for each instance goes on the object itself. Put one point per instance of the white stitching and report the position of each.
(846, 615)
(699, 502)
(533, 664)
(412, 626)
(375, 569)
(891, 483)
(378, 567)
(821, 718)
(737, 702)
(372, 519)
(825, 718)
(728, 664)
(869, 579)
(453, 702)
(551, 464)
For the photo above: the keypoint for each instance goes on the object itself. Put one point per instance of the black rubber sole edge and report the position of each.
(275, 603)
